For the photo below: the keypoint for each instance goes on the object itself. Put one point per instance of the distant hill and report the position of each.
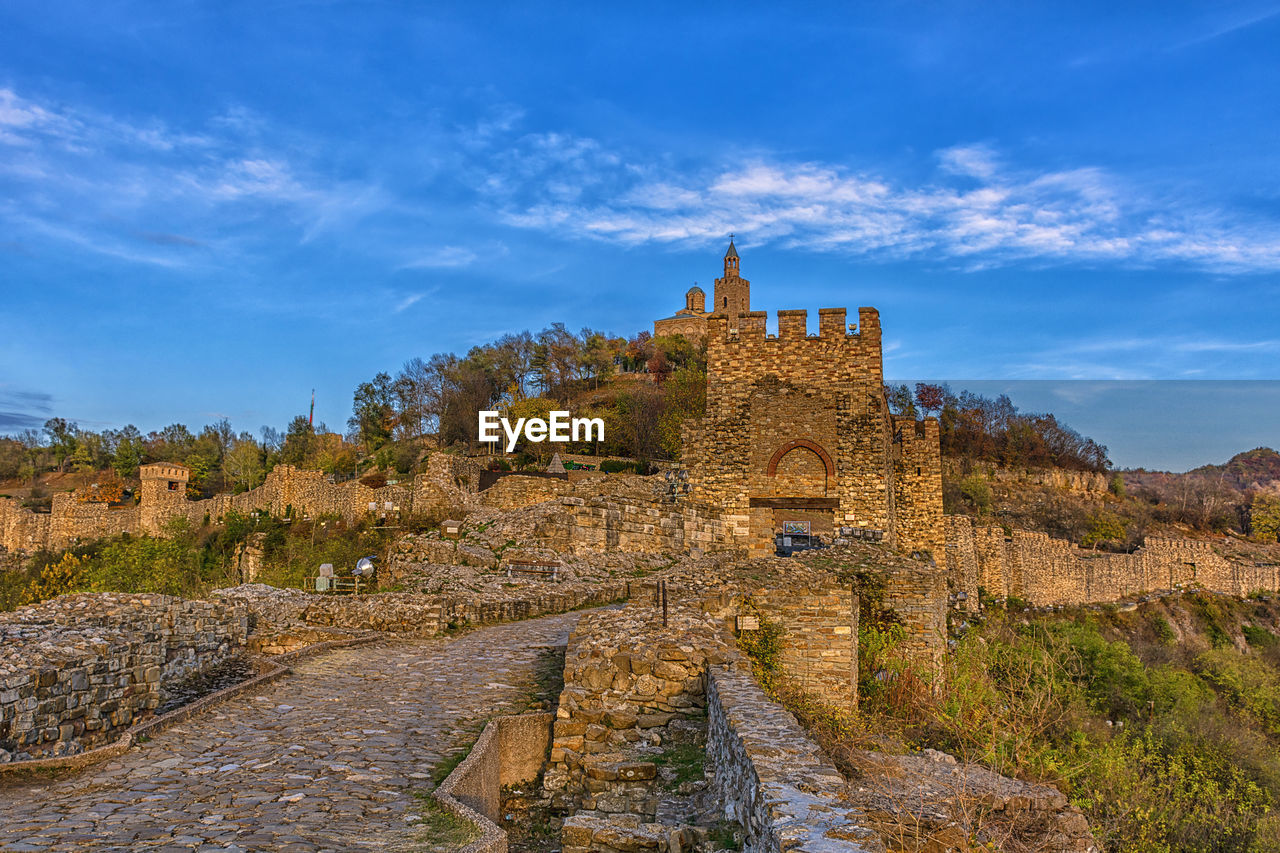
(1257, 468)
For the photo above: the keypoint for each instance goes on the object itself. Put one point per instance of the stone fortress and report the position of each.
(796, 433)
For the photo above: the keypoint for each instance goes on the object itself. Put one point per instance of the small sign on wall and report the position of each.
(748, 623)
(795, 528)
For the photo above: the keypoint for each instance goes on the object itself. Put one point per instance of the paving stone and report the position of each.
(366, 725)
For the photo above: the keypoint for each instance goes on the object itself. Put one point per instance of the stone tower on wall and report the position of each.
(733, 292)
(164, 493)
(797, 429)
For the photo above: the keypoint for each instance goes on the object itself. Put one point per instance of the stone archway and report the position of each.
(801, 475)
(784, 450)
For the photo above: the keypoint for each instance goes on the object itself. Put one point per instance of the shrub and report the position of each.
(977, 491)
(1260, 638)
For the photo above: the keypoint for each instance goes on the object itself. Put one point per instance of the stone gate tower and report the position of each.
(797, 430)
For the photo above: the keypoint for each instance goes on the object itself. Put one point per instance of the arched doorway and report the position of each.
(800, 479)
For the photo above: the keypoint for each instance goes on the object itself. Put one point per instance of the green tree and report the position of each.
(686, 397)
(1264, 517)
(1104, 527)
(978, 491)
(299, 442)
(128, 450)
(1116, 486)
(373, 412)
(62, 439)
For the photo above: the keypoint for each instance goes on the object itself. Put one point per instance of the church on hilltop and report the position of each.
(732, 297)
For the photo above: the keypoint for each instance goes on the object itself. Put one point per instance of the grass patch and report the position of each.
(683, 759)
(1260, 638)
(449, 763)
(440, 829)
(725, 835)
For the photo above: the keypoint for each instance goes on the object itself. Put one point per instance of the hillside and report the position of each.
(1115, 512)
(1161, 719)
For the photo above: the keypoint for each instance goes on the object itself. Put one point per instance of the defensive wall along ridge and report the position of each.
(1045, 571)
(630, 515)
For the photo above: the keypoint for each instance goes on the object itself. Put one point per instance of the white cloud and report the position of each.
(977, 161)
(977, 209)
(407, 301)
(97, 181)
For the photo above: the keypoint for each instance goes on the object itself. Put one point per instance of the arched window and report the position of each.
(726, 302)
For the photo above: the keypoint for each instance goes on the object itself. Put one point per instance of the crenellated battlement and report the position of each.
(793, 325)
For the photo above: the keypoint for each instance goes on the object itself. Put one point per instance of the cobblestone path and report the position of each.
(326, 758)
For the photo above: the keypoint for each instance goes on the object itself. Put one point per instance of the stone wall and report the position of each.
(918, 486)
(274, 610)
(510, 750)
(77, 669)
(72, 519)
(773, 778)
(636, 524)
(1042, 570)
(514, 490)
(21, 529)
(918, 595)
(449, 482)
(625, 675)
(820, 643)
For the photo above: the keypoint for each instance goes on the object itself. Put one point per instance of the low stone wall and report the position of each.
(78, 669)
(516, 490)
(284, 611)
(1044, 571)
(636, 524)
(509, 751)
(774, 780)
(625, 674)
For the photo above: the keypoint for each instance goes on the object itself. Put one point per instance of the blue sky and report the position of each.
(208, 209)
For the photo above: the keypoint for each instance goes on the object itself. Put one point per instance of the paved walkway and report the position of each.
(325, 758)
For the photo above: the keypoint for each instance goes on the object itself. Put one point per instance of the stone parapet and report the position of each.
(773, 778)
(77, 669)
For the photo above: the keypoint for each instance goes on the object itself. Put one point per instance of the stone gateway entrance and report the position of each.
(797, 429)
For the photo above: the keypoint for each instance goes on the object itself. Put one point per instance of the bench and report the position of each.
(536, 568)
(332, 584)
